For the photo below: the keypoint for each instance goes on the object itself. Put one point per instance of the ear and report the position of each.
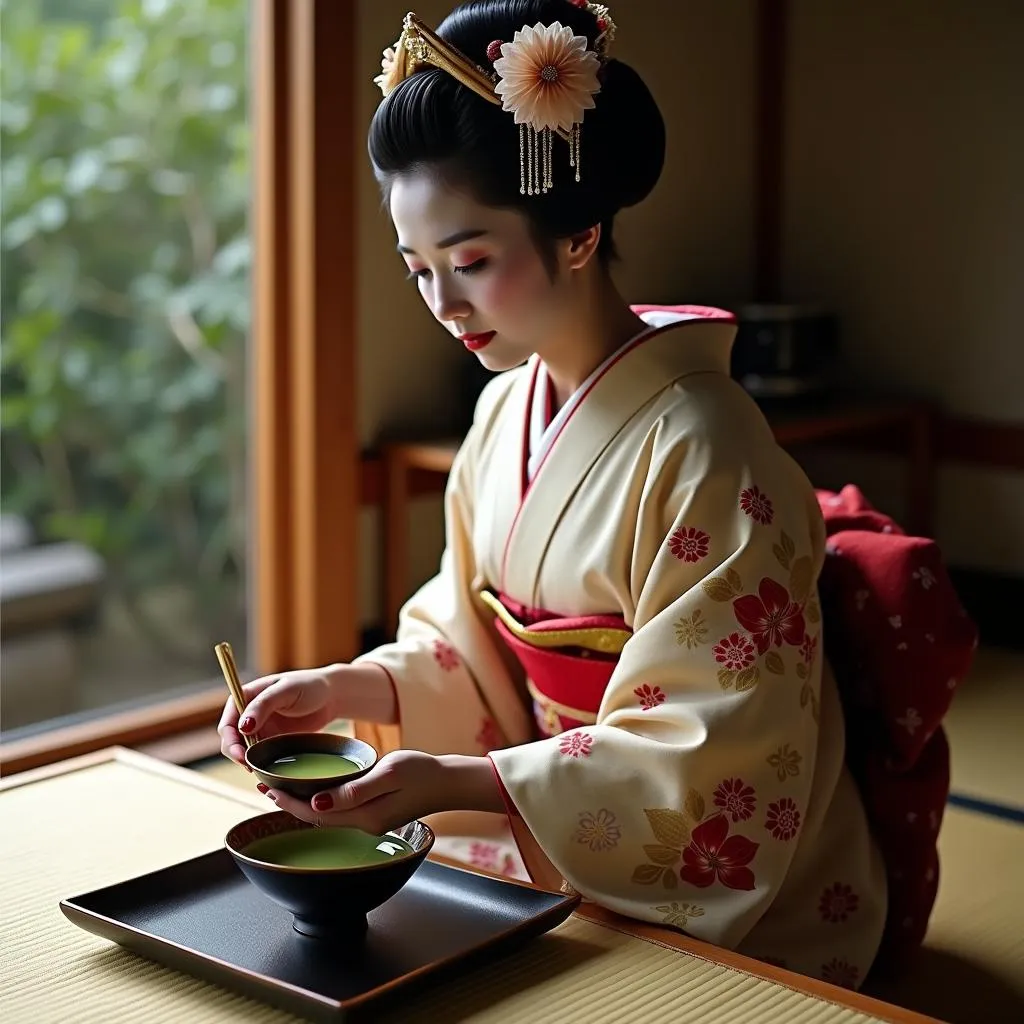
(582, 247)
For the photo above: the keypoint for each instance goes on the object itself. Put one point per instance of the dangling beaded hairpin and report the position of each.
(546, 77)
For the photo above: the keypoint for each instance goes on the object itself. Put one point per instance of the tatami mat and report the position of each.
(984, 728)
(971, 970)
(105, 823)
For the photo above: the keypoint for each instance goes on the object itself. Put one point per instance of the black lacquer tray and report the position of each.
(204, 918)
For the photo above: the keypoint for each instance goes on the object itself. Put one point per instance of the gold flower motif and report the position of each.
(547, 76)
(692, 631)
(677, 915)
(786, 762)
(599, 830)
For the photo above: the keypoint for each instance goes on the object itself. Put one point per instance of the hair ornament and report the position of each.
(546, 77)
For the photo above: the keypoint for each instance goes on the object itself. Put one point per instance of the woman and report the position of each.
(621, 653)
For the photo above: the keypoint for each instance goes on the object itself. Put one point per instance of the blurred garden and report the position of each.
(124, 160)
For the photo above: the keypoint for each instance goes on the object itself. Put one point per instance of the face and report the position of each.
(478, 270)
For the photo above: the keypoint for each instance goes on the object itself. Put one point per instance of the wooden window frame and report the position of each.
(304, 450)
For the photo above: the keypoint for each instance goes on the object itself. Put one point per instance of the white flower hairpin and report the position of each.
(547, 78)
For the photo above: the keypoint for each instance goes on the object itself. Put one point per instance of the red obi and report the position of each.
(899, 642)
(568, 662)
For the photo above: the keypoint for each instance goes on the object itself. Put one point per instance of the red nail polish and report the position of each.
(272, 797)
(323, 802)
(247, 724)
(262, 788)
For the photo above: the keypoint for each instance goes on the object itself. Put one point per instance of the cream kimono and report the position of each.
(702, 783)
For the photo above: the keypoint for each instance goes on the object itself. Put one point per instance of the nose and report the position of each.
(447, 303)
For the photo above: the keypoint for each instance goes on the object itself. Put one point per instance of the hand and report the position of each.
(400, 788)
(307, 700)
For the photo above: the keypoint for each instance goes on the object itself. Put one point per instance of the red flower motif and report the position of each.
(445, 655)
(576, 744)
(771, 617)
(757, 505)
(783, 820)
(489, 857)
(735, 652)
(837, 903)
(494, 50)
(689, 544)
(650, 696)
(736, 798)
(809, 648)
(489, 737)
(484, 855)
(839, 972)
(714, 854)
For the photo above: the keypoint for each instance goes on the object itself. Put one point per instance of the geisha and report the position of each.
(618, 673)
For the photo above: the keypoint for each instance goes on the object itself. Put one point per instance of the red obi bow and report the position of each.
(899, 643)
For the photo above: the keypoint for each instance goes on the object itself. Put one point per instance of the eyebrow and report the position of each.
(447, 243)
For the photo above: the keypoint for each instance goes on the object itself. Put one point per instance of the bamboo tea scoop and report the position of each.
(227, 665)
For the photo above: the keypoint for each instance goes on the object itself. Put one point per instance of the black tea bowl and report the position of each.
(326, 902)
(263, 753)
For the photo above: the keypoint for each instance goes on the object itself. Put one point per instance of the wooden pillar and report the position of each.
(307, 453)
(270, 556)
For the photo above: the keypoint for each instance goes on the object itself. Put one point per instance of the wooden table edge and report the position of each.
(143, 762)
(590, 912)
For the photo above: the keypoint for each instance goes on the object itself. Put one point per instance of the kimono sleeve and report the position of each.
(455, 688)
(683, 804)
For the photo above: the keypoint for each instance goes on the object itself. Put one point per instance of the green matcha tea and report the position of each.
(327, 848)
(313, 766)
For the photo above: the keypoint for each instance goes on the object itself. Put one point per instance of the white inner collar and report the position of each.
(542, 434)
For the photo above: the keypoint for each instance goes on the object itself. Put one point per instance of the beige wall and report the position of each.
(689, 242)
(904, 209)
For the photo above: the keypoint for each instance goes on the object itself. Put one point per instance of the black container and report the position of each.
(326, 903)
(785, 351)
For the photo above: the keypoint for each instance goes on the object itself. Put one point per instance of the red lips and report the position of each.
(475, 342)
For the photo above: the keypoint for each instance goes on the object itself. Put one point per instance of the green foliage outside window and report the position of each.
(125, 142)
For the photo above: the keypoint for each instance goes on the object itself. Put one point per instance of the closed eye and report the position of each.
(471, 268)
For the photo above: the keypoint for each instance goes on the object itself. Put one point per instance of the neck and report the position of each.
(600, 323)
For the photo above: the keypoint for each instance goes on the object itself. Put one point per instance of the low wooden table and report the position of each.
(906, 428)
(101, 819)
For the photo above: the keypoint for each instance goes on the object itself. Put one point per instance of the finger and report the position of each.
(351, 795)
(229, 716)
(278, 723)
(300, 809)
(270, 702)
(375, 818)
(232, 746)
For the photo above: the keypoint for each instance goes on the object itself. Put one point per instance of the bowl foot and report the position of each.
(345, 931)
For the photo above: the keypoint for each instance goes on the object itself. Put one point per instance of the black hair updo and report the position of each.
(432, 121)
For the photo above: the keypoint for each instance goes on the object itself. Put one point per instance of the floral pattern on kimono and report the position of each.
(706, 696)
